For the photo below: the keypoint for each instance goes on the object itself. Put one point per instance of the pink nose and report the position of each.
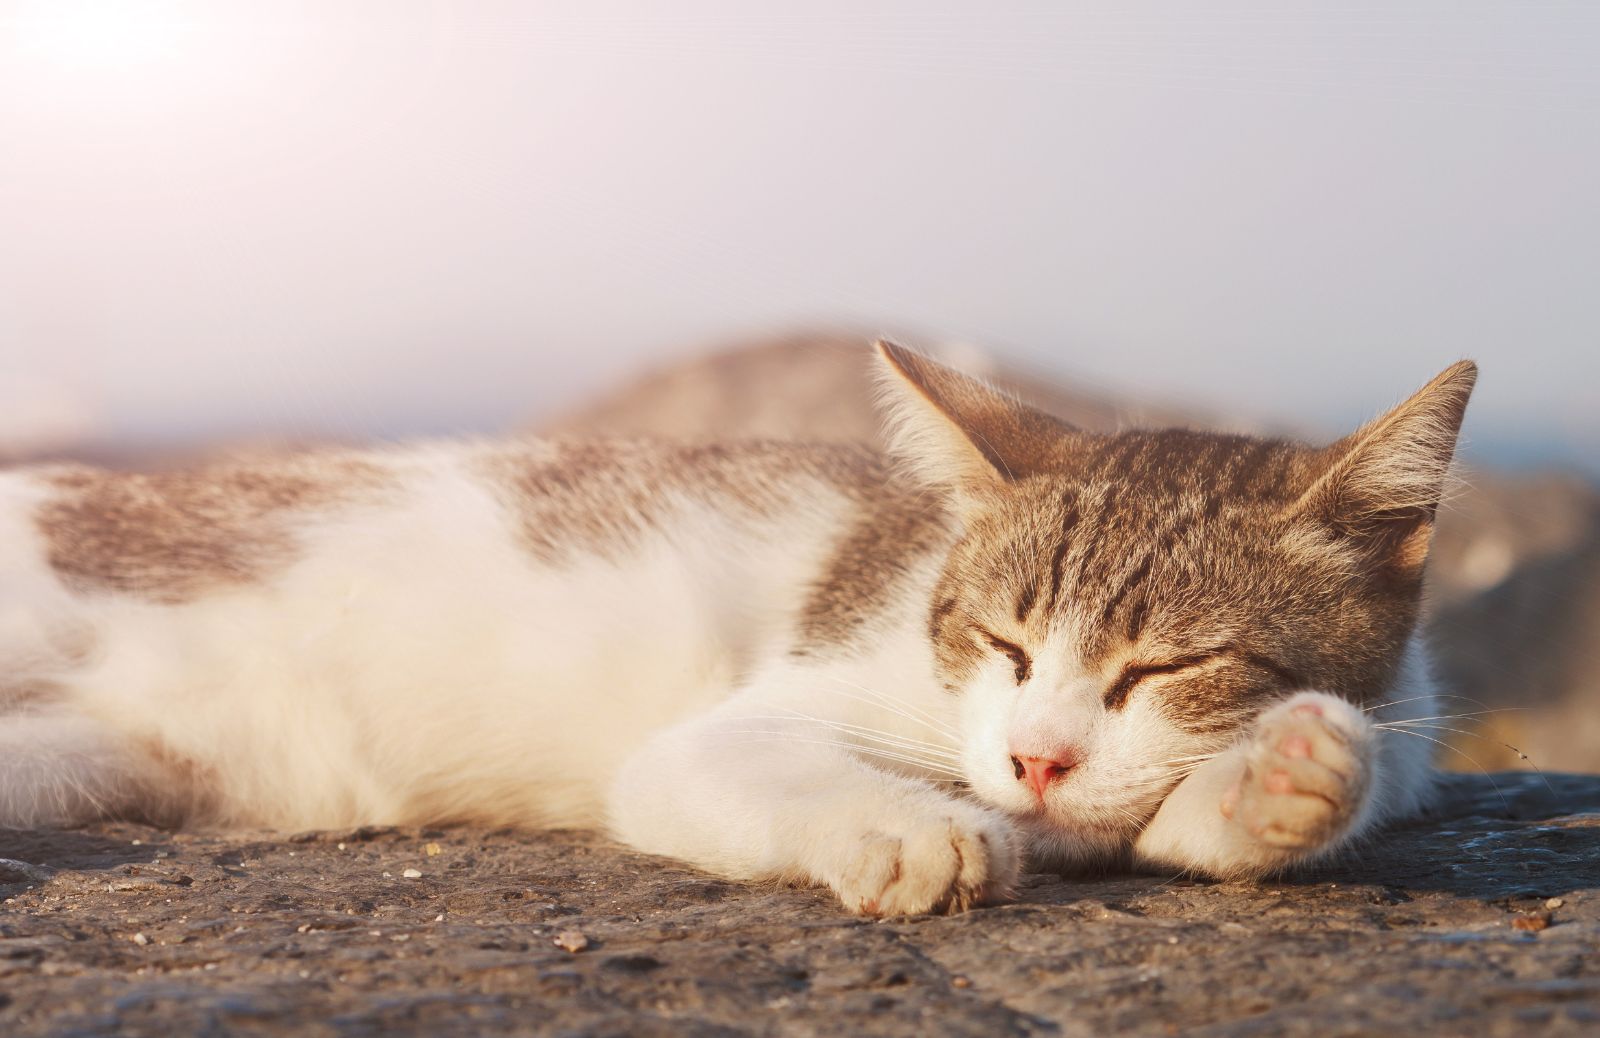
(1039, 772)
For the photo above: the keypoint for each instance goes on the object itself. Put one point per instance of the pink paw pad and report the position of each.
(1278, 782)
(1230, 802)
(1295, 746)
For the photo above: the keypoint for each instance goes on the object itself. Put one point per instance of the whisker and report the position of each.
(872, 751)
(1449, 717)
(895, 703)
(941, 773)
(1171, 777)
(1414, 699)
(1470, 735)
(942, 747)
(1396, 726)
(1199, 758)
(1439, 742)
(859, 731)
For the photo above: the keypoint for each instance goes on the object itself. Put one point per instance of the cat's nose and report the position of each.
(1038, 772)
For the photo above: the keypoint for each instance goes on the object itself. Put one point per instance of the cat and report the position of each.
(1009, 643)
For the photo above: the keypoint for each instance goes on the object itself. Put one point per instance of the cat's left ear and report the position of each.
(1381, 486)
(956, 432)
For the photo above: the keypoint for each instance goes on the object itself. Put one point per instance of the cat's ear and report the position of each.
(955, 431)
(1380, 487)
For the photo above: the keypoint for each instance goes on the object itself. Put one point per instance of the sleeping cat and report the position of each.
(1016, 641)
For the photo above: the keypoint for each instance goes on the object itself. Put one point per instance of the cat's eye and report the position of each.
(1133, 673)
(1021, 664)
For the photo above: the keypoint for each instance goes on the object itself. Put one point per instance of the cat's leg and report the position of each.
(1314, 774)
(60, 769)
(739, 794)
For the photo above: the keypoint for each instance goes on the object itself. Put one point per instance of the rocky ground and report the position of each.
(1485, 920)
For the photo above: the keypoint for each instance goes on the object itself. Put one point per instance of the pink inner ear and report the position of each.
(963, 431)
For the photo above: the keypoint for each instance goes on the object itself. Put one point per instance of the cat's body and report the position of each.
(768, 659)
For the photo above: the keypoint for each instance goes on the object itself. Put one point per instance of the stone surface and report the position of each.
(564, 933)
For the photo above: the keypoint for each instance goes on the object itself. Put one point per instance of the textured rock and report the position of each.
(321, 934)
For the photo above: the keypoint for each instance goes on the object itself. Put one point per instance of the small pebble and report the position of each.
(572, 941)
(433, 850)
(960, 982)
(412, 874)
(1554, 903)
(140, 939)
(1531, 923)
(439, 918)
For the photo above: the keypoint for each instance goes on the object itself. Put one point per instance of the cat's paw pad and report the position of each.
(1306, 773)
(938, 862)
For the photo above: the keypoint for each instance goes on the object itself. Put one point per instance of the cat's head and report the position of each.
(1121, 605)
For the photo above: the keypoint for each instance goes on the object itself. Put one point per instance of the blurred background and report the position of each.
(231, 221)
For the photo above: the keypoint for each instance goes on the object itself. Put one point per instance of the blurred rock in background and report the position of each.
(1514, 601)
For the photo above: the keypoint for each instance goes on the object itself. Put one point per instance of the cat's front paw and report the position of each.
(1306, 777)
(931, 861)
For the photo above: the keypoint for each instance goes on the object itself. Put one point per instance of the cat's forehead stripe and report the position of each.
(1136, 576)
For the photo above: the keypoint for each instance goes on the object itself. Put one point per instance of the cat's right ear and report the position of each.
(956, 432)
(1381, 485)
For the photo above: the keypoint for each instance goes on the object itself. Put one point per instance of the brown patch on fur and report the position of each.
(602, 496)
(889, 536)
(171, 536)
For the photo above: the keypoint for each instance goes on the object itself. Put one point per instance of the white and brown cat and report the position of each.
(1167, 649)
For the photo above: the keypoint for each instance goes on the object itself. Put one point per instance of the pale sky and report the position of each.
(379, 218)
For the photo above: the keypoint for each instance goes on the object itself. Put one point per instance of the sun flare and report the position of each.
(86, 35)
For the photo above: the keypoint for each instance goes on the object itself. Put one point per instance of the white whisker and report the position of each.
(1415, 699)
(801, 715)
(863, 732)
(895, 704)
(1450, 717)
(1404, 728)
(1440, 742)
(769, 735)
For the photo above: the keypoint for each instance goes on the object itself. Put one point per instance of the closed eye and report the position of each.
(1022, 666)
(1133, 673)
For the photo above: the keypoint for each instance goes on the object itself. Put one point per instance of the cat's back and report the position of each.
(174, 534)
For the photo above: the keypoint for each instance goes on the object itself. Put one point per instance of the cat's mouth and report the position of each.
(1090, 825)
(1065, 820)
